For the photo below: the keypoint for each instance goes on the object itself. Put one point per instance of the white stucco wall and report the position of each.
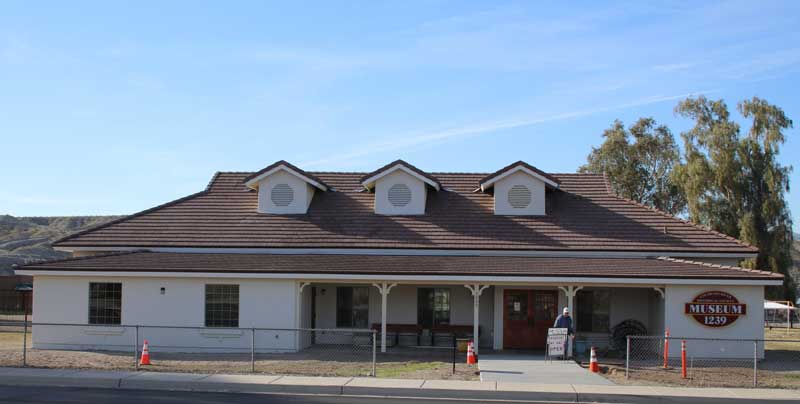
(418, 194)
(536, 186)
(305, 317)
(303, 194)
(262, 304)
(747, 327)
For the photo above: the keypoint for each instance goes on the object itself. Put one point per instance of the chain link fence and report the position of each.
(713, 362)
(318, 352)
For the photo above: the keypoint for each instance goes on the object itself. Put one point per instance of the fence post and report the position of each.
(455, 347)
(627, 355)
(374, 349)
(755, 363)
(666, 348)
(136, 349)
(683, 359)
(25, 341)
(252, 350)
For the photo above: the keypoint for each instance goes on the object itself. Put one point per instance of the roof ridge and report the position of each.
(684, 221)
(84, 257)
(609, 189)
(432, 173)
(721, 266)
(212, 180)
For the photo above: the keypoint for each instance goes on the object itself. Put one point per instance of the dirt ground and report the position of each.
(780, 368)
(401, 363)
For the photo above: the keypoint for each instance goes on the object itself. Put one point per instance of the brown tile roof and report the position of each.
(519, 163)
(403, 265)
(406, 165)
(287, 164)
(582, 215)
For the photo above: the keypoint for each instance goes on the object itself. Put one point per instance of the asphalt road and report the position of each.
(67, 395)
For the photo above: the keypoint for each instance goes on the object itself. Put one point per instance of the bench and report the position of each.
(457, 331)
(398, 329)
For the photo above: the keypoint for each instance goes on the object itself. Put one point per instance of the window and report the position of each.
(222, 305)
(433, 307)
(352, 307)
(105, 303)
(593, 310)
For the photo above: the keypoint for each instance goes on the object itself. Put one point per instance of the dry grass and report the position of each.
(312, 362)
(12, 340)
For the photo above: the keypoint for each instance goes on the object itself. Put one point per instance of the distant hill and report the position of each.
(26, 239)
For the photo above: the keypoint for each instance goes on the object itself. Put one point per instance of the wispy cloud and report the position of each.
(671, 67)
(407, 141)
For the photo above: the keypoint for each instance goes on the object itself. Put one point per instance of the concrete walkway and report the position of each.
(533, 368)
(359, 386)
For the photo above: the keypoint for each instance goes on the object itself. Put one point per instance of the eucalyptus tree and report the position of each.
(638, 162)
(733, 181)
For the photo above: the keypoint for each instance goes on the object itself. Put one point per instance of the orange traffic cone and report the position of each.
(594, 367)
(145, 355)
(471, 357)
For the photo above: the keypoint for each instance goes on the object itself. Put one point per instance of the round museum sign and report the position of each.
(715, 308)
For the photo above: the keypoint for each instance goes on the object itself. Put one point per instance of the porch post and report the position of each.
(476, 291)
(570, 292)
(384, 289)
(298, 313)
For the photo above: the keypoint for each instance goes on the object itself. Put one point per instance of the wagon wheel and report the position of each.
(621, 331)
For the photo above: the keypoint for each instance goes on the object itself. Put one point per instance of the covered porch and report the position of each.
(504, 316)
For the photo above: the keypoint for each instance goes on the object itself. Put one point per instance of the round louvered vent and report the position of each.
(519, 196)
(281, 195)
(399, 195)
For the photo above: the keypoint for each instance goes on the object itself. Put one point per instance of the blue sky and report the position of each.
(113, 107)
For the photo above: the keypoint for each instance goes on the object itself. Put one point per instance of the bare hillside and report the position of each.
(26, 239)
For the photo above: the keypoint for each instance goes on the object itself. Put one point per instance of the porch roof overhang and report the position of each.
(498, 269)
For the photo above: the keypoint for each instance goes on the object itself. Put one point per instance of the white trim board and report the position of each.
(399, 166)
(253, 182)
(488, 184)
(494, 280)
(418, 252)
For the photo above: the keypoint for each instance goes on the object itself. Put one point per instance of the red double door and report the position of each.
(527, 315)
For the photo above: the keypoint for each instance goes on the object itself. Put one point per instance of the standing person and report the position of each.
(565, 321)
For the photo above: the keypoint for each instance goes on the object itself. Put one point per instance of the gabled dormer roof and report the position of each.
(489, 180)
(252, 180)
(368, 181)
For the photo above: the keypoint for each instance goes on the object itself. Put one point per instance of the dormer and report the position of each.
(519, 189)
(284, 189)
(400, 188)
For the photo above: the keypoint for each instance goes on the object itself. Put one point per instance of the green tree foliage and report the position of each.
(725, 179)
(638, 162)
(733, 182)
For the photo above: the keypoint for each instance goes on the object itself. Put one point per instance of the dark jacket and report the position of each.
(564, 322)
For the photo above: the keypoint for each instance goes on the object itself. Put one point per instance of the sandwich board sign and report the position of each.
(556, 341)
